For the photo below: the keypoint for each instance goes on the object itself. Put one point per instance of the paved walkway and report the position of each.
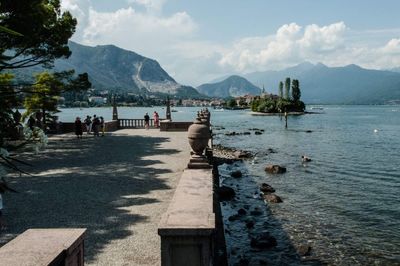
(117, 186)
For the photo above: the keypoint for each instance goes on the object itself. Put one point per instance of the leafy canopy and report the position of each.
(43, 33)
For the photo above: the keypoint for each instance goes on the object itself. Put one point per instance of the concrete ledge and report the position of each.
(44, 247)
(187, 228)
(167, 125)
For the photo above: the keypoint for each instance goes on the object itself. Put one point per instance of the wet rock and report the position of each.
(249, 223)
(242, 212)
(233, 133)
(244, 262)
(263, 241)
(246, 133)
(263, 262)
(308, 131)
(258, 133)
(225, 193)
(256, 212)
(304, 250)
(270, 150)
(233, 217)
(275, 169)
(236, 174)
(272, 198)
(264, 187)
(242, 154)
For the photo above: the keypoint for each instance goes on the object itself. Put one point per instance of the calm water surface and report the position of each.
(345, 203)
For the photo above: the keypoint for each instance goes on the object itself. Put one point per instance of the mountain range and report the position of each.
(335, 85)
(230, 87)
(110, 67)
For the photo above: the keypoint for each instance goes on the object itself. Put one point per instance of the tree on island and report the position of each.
(287, 88)
(296, 93)
(280, 89)
(280, 104)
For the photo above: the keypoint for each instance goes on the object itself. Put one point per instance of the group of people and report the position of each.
(95, 125)
(156, 119)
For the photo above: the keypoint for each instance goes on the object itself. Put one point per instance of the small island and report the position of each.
(286, 102)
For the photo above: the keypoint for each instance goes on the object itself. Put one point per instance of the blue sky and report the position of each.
(199, 40)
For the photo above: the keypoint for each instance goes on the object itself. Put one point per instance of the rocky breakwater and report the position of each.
(250, 228)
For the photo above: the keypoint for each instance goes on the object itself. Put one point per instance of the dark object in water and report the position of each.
(225, 193)
(236, 174)
(305, 158)
(263, 241)
(266, 188)
(272, 198)
(275, 169)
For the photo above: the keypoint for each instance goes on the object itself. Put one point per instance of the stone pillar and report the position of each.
(168, 111)
(115, 110)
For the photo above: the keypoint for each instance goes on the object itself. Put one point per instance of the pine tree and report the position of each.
(287, 89)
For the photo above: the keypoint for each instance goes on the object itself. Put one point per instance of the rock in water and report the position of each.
(242, 154)
(263, 241)
(304, 250)
(275, 169)
(225, 193)
(272, 198)
(236, 174)
(266, 188)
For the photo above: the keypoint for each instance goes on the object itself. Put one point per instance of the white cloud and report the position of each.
(152, 6)
(288, 46)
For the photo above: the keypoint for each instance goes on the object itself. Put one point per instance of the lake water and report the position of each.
(344, 204)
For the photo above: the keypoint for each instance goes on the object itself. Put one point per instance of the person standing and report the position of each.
(95, 126)
(102, 126)
(88, 123)
(146, 121)
(78, 127)
(156, 119)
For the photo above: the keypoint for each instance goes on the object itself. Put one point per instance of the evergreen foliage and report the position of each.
(287, 88)
(280, 104)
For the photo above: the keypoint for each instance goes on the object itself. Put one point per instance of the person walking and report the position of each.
(88, 123)
(78, 127)
(146, 121)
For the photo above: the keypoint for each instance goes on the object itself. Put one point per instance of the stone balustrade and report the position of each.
(187, 228)
(36, 247)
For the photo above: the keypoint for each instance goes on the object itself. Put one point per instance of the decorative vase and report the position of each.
(198, 135)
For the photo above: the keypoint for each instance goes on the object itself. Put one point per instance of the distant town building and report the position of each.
(97, 100)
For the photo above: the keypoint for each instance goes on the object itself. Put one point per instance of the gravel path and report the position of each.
(117, 186)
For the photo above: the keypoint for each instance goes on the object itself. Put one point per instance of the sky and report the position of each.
(197, 41)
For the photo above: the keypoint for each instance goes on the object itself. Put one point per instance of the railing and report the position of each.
(133, 123)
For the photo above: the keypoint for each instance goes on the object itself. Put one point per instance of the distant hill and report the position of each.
(230, 87)
(335, 85)
(110, 67)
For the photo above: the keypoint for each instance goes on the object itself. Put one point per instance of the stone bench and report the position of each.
(38, 247)
(187, 228)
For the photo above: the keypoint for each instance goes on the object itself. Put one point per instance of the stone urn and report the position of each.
(198, 135)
